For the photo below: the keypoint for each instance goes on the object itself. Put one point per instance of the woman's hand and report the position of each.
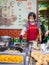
(20, 38)
(40, 40)
(46, 34)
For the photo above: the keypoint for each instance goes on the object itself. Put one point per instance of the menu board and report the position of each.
(14, 13)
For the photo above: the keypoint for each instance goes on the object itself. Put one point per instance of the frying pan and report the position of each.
(16, 48)
(11, 48)
(3, 49)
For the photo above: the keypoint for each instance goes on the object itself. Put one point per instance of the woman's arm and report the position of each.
(23, 31)
(40, 35)
(40, 32)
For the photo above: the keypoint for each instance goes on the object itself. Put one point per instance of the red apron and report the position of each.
(32, 32)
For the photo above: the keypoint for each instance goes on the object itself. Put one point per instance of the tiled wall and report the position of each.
(13, 33)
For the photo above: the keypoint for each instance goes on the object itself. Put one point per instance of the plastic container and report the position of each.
(16, 41)
(17, 54)
(24, 41)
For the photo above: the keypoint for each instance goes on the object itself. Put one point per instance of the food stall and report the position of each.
(12, 51)
(14, 54)
(20, 54)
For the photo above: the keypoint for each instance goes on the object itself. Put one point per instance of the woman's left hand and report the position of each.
(40, 40)
(46, 34)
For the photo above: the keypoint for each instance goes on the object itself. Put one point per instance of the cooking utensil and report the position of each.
(3, 49)
(16, 48)
(11, 48)
(6, 38)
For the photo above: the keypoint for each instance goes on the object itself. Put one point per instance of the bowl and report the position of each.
(6, 38)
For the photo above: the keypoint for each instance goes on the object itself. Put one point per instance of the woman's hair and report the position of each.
(32, 14)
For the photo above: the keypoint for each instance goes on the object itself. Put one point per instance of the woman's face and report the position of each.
(31, 19)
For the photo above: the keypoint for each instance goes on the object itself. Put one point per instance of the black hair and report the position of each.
(32, 14)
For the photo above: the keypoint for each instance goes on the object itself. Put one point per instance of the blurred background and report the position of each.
(43, 12)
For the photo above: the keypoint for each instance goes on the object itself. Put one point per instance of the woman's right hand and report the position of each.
(20, 38)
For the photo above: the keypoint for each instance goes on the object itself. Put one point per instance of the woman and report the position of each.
(32, 27)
